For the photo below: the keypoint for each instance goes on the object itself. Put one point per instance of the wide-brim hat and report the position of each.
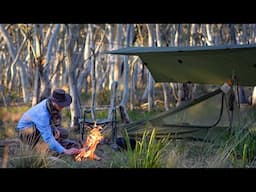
(61, 98)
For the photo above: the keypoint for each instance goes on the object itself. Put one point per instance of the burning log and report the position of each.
(90, 145)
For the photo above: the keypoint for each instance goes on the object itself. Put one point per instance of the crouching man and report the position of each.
(41, 124)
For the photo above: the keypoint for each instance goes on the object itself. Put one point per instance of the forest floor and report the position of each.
(182, 153)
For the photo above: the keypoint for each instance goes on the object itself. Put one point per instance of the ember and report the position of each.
(90, 145)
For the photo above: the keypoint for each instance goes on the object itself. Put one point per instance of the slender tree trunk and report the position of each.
(118, 39)
(15, 58)
(56, 77)
(114, 43)
(209, 38)
(45, 72)
(86, 64)
(111, 58)
(36, 90)
(38, 60)
(70, 40)
(93, 104)
(232, 34)
(122, 107)
(3, 95)
(134, 74)
(254, 97)
(164, 85)
(151, 83)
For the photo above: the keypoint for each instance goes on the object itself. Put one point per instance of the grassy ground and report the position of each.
(219, 149)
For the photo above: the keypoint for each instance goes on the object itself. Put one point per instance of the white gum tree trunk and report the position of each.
(71, 66)
(165, 86)
(151, 82)
(122, 107)
(15, 59)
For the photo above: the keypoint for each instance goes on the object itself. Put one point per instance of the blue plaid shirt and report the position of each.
(39, 116)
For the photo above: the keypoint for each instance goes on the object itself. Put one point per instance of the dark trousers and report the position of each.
(32, 137)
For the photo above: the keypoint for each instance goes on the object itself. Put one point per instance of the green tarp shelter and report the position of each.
(204, 65)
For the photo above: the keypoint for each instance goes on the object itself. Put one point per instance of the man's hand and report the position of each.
(72, 151)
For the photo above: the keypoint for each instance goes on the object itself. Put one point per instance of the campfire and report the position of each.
(90, 144)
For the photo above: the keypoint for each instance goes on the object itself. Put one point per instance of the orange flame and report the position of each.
(90, 145)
